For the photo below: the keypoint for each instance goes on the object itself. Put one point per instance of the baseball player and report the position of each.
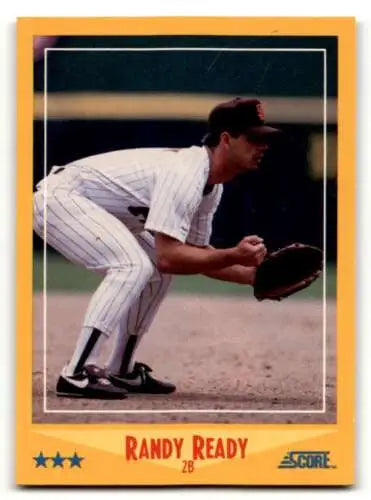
(139, 216)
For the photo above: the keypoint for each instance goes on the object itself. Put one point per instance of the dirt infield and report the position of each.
(246, 361)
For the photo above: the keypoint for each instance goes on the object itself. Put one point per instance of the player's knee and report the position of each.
(147, 268)
(142, 268)
(137, 272)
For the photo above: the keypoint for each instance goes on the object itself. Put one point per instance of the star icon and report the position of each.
(40, 460)
(75, 460)
(58, 460)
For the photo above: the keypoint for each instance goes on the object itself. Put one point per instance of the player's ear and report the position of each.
(225, 139)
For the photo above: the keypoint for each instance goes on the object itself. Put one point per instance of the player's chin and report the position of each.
(254, 165)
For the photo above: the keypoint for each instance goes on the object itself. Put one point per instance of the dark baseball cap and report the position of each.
(240, 116)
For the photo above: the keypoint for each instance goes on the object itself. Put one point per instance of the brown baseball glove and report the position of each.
(287, 270)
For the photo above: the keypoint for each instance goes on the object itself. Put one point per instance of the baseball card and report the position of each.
(185, 251)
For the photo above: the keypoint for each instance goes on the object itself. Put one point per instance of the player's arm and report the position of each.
(175, 257)
(244, 275)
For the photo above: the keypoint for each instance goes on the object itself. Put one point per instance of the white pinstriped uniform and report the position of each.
(100, 213)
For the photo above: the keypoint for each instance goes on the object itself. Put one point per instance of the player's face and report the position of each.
(246, 154)
(241, 154)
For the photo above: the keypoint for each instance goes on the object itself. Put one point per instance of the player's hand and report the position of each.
(250, 251)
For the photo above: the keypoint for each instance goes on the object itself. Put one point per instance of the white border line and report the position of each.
(187, 411)
(45, 305)
(324, 339)
(190, 49)
(184, 49)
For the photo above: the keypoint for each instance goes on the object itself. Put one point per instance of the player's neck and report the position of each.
(213, 167)
(217, 174)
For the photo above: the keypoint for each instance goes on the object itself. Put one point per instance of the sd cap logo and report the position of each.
(260, 111)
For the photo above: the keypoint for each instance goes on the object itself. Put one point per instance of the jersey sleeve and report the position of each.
(201, 226)
(175, 199)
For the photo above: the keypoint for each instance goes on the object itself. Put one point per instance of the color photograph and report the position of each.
(167, 170)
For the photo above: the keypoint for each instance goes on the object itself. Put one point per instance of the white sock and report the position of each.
(82, 344)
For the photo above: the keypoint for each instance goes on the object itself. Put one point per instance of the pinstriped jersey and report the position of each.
(153, 189)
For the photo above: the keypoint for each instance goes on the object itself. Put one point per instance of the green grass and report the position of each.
(64, 276)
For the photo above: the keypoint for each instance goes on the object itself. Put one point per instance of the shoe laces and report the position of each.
(142, 367)
(96, 374)
(142, 370)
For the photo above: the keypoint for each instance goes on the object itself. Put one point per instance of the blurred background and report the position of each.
(107, 99)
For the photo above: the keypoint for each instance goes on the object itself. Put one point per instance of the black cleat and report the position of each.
(91, 382)
(141, 382)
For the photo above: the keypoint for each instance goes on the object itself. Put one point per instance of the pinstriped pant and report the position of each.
(132, 289)
(137, 320)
